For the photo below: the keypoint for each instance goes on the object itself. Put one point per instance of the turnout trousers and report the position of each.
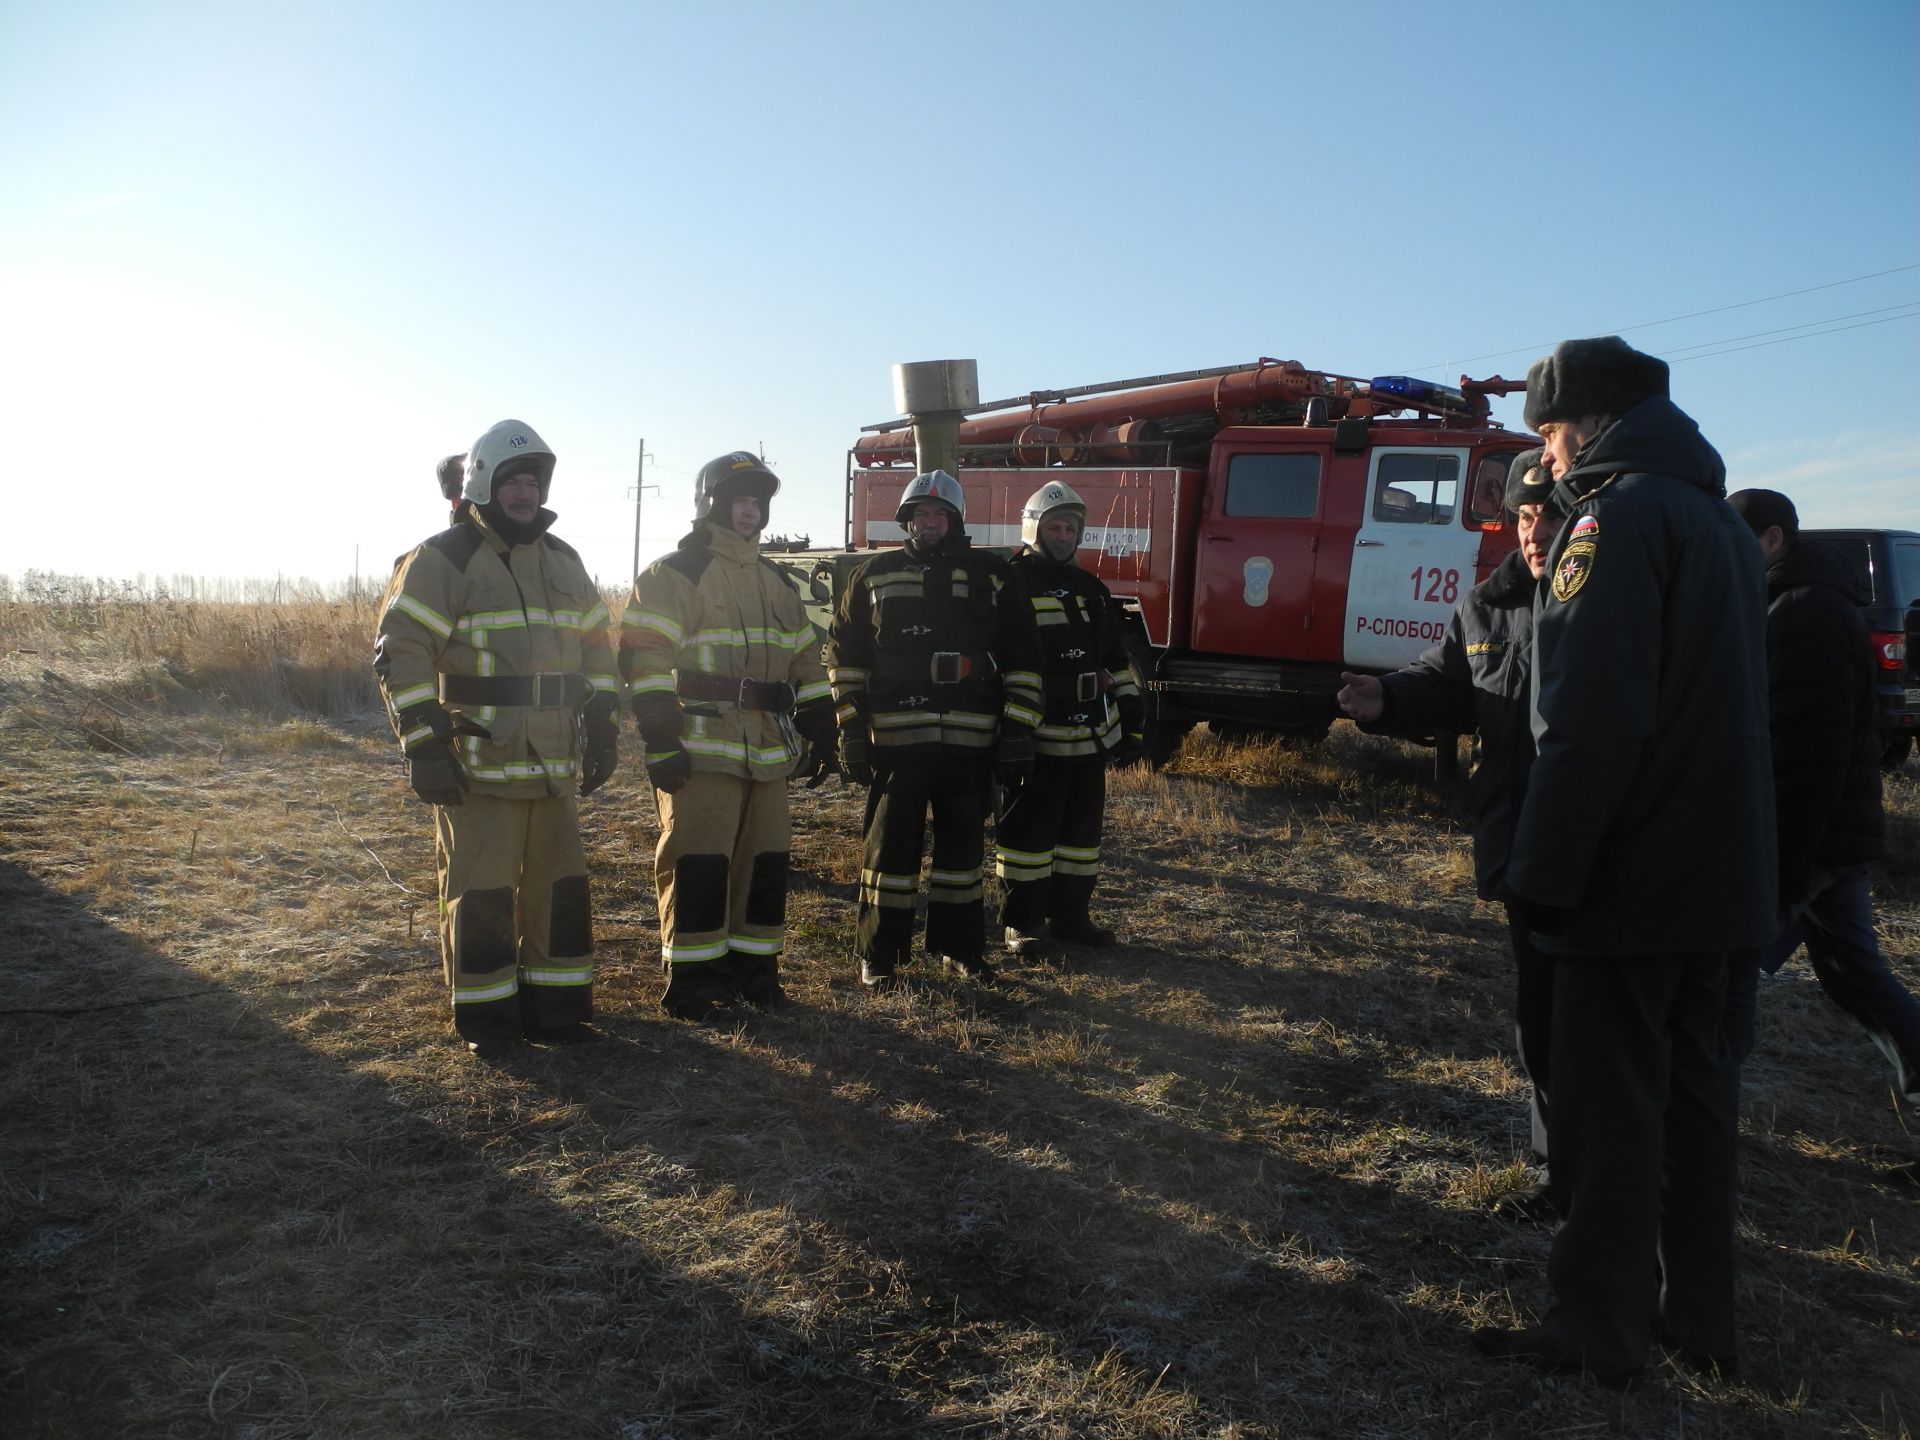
(720, 872)
(955, 787)
(1049, 844)
(516, 920)
(1645, 1094)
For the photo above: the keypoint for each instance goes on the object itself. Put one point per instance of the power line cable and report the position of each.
(1765, 343)
(1538, 348)
(1788, 329)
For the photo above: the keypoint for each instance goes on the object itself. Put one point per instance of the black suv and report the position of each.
(1887, 575)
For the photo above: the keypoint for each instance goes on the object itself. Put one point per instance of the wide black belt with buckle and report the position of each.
(1086, 685)
(774, 695)
(942, 667)
(548, 690)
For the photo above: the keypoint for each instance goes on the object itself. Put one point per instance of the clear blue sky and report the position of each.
(261, 266)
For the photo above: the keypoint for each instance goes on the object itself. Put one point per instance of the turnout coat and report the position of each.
(467, 604)
(717, 608)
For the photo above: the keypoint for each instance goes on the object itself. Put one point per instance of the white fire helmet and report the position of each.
(506, 449)
(736, 473)
(1050, 499)
(935, 485)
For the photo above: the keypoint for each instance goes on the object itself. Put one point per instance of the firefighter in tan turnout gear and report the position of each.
(935, 669)
(1049, 833)
(726, 676)
(494, 654)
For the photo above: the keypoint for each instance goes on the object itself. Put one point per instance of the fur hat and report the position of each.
(1763, 509)
(1602, 376)
(1527, 482)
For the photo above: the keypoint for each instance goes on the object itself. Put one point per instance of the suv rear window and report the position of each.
(1906, 567)
(1859, 552)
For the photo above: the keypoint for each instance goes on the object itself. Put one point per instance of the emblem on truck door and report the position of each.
(1258, 572)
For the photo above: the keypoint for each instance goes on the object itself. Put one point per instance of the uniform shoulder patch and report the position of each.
(1585, 525)
(1576, 565)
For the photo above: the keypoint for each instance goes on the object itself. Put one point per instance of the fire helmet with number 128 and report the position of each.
(1052, 499)
(507, 449)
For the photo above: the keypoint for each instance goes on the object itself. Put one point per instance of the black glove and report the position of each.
(436, 777)
(818, 763)
(856, 766)
(669, 769)
(660, 718)
(1130, 751)
(430, 713)
(1540, 918)
(600, 721)
(597, 765)
(1013, 755)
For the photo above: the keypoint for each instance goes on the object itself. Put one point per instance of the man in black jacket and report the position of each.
(1477, 680)
(1049, 831)
(935, 665)
(1826, 780)
(1642, 859)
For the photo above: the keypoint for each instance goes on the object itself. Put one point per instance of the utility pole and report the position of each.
(640, 488)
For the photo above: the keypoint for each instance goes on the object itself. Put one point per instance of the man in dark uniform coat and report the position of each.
(1643, 860)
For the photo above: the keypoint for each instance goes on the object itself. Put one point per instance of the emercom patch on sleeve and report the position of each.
(1576, 564)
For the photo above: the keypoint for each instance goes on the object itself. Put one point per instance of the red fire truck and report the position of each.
(1262, 526)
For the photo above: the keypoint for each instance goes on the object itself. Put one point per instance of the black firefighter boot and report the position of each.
(696, 990)
(1023, 919)
(756, 979)
(1083, 931)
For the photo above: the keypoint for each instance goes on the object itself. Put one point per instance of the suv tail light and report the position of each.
(1890, 649)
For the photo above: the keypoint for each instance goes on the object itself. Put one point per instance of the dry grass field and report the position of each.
(1229, 1180)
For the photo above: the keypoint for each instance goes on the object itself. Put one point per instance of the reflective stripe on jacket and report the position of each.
(715, 607)
(466, 603)
(901, 613)
(1080, 640)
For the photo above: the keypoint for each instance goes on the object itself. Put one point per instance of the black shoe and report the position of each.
(875, 973)
(1532, 1345)
(492, 1049)
(973, 967)
(756, 979)
(576, 1032)
(1083, 932)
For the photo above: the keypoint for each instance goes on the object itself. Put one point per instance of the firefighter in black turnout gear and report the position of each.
(1049, 832)
(935, 667)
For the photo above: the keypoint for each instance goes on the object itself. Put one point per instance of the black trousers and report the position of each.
(1645, 1127)
(1533, 1026)
(954, 786)
(1049, 843)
